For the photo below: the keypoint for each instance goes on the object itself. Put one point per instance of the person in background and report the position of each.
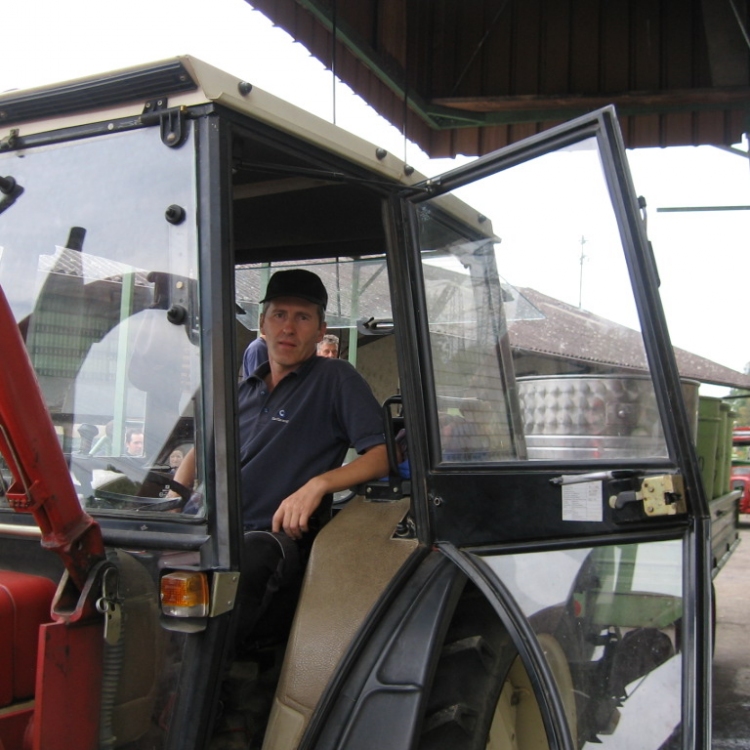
(329, 346)
(134, 442)
(255, 355)
(103, 444)
(175, 459)
(87, 432)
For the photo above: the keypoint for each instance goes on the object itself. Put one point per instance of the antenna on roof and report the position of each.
(334, 20)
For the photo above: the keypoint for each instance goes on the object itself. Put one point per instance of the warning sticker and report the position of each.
(582, 501)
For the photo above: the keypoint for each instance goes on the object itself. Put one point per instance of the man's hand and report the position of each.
(294, 512)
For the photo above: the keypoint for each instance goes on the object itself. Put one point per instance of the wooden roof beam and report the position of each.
(533, 108)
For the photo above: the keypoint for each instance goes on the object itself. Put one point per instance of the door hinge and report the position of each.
(662, 495)
(172, 122)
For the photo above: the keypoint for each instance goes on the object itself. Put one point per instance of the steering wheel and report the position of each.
(185, 493)
(141, 502)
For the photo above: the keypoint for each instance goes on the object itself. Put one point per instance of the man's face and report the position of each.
(135, 445)
(292, 329)
(327, 349)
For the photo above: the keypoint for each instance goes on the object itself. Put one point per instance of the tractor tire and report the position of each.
(476, 657)
(481, 696)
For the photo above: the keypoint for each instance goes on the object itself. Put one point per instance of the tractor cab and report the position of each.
(533, 571)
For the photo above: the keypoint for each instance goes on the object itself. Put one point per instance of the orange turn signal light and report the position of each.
(185, 594)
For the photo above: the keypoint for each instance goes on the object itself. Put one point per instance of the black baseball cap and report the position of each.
(297, 283)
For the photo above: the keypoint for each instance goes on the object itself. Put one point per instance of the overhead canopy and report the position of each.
(471, 76)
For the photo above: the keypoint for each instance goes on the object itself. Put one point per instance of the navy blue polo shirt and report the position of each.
(301, 429)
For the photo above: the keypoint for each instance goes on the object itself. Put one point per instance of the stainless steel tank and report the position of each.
(583, 417)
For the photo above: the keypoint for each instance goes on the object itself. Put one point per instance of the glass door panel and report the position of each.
(609, 620)
(534, 331)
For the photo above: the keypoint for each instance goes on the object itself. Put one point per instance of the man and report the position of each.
(329, 346)
(298, 415)
(134, 442)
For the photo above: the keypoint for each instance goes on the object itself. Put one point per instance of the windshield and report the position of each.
(534, 332)
(105, 295)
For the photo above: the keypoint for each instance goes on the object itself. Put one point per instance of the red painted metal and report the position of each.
(69, 665)
(14, 726)
(42, 484)
(740, 480)
(68, 686)
(25, 602)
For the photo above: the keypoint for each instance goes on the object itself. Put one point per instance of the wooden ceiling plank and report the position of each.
(677, 129)
(418, 22)
(521, 130)
(555, 47)
(466, 140)
(653, 100)
(526, 48)
(737, 124)
(709, 127)
(678, 49)
(285, 15)
(440, 144)
(497, 74)
(387, 28)
(493, 138)
(646, 50)
(585, 28)
(614, 49)
(465, 38)
(420, 133)
(727, 49)
(645, 130)
(444, 63)
(679, 21)
(483, 27)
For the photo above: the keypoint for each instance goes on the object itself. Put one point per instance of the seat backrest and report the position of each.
(25, 602)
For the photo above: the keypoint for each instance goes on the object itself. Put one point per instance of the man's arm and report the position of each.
(185, 473)
(294, 512)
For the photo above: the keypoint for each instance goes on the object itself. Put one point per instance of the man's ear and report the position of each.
(260, 325)
(322, 331)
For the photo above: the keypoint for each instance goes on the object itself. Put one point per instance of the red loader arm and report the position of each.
(42, 485)
(65, 712)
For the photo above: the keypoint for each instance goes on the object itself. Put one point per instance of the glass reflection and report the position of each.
(609, 621)
(534, 331)
(119, 369)
(107, 302)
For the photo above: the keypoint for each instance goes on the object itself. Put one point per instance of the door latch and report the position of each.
(662, 495)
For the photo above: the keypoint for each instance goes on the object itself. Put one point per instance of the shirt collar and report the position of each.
(263, 369)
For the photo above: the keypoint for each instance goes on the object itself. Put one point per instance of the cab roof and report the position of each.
(180, 82)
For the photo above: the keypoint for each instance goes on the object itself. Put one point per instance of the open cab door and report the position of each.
(552, 452)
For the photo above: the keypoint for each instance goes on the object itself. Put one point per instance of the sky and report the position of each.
(702, 257)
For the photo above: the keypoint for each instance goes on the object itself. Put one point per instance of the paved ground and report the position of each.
(731, 720)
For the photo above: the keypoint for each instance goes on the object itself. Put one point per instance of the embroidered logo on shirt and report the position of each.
(280, 417)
